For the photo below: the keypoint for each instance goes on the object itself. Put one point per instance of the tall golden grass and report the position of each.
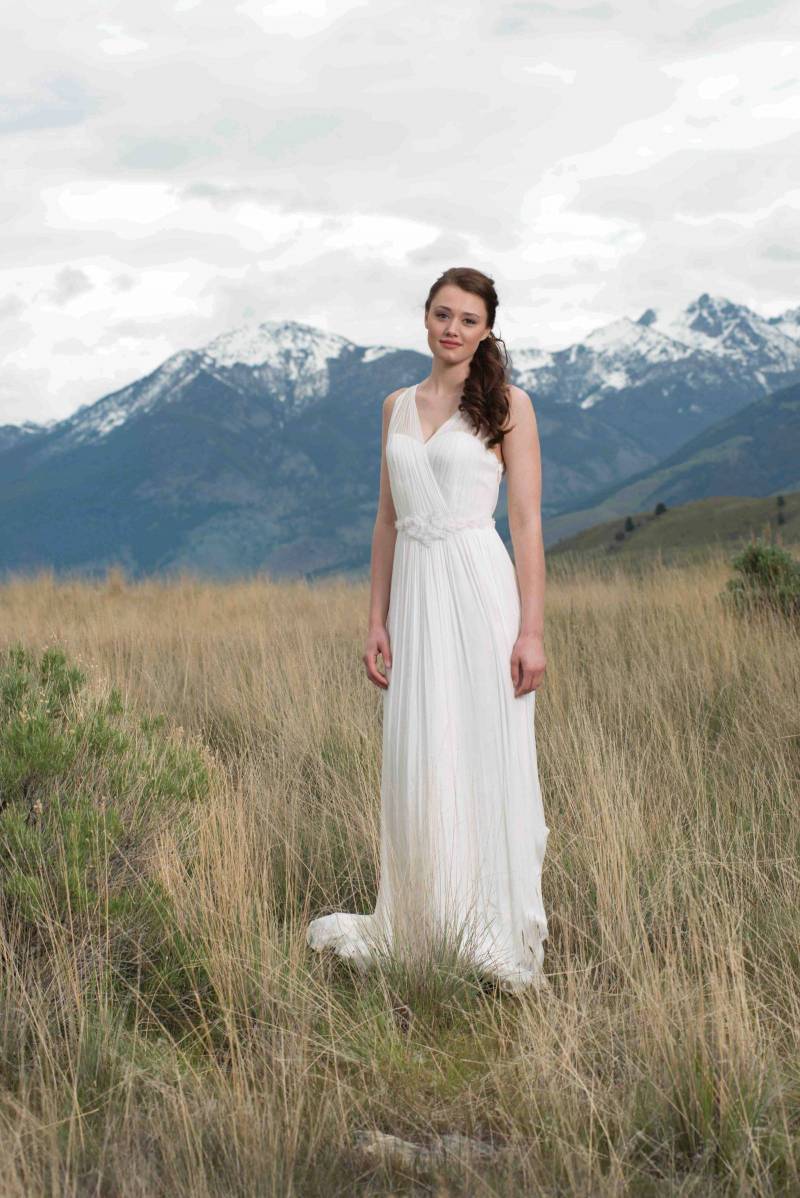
(666, 1057)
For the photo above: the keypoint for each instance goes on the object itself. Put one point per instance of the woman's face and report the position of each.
(457, 323)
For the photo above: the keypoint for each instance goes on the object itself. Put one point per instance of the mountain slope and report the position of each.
(202, 465)
(755, 452)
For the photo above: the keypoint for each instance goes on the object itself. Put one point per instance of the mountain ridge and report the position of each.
(260, 450)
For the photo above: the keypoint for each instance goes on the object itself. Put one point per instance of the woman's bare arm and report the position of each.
(384, 537)
(522, 456)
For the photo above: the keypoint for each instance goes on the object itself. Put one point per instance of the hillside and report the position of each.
(687, 531)
(754, 452)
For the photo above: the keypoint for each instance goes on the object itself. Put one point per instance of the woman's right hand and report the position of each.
(378, 642)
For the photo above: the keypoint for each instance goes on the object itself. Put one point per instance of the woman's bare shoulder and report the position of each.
(390, 400)
(517, 396)
(520, 403)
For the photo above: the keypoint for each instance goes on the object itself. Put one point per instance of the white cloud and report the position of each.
(548, 68)
(116, 41)
(180, 169)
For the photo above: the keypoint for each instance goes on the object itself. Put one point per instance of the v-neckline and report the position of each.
(423, 440)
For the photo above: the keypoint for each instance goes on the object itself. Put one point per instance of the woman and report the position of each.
(460, 631)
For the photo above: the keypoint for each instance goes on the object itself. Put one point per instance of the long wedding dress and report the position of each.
(463, 833)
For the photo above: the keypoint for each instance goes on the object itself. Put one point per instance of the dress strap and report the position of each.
(399, 421)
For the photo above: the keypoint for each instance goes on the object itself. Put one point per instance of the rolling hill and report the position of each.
(691, 529)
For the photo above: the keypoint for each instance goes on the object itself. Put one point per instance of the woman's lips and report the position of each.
(450, 344)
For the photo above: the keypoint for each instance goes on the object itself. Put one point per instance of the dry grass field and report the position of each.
(191, 771)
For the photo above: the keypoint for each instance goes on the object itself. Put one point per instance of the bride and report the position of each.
(459, 627)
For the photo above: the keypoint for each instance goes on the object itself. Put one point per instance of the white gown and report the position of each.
(463, 832)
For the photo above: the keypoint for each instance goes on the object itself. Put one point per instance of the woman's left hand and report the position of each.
(528, 664)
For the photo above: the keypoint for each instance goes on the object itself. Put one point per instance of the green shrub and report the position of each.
(769, 580)
(83, 787)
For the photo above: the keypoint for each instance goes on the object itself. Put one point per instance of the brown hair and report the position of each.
(485, 399)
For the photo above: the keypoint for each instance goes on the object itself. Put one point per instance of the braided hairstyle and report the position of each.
(485, 399)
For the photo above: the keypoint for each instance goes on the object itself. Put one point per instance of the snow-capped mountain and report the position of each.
(254, 451)
(288, 361)
(788, 322)
(261, 449)
(733, 331)
(666, 376)
(709, 333)
(298, 352)
(615, 356)
(291, 362)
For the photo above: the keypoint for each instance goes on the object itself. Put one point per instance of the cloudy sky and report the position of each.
(173, 170)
